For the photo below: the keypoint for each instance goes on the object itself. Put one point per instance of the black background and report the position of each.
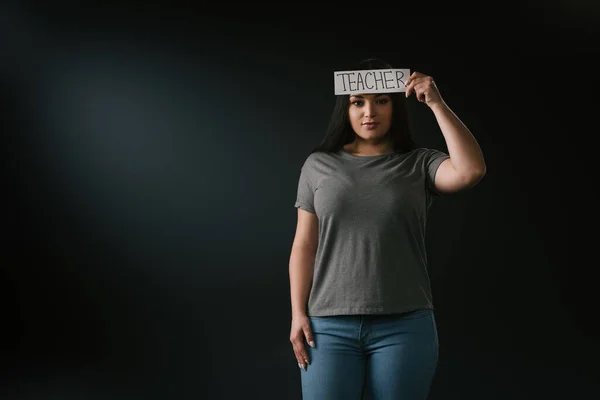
(152, 153)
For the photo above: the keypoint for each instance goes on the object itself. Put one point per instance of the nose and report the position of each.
(369, 110)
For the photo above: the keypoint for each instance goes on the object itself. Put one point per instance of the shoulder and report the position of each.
(315, 158)
(428, 152)
(430, 157)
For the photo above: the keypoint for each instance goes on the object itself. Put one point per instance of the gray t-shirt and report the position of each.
(372, 212)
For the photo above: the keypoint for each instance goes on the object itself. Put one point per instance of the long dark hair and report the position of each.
(340, 132)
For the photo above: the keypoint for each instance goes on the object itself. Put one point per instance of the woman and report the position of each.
(360, 291)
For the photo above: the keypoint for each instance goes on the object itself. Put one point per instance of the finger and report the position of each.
(309, 336)
(301, 361)
(418, 92)
(412, 77)
(421, 95)
(408, 82)
(300, 349)
(409, 88)
(420, 89)
(412, 87)
(301, 356)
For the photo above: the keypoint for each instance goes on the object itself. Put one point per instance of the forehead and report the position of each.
(369, 96)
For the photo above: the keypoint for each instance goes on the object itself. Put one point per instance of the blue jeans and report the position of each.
(389, 357)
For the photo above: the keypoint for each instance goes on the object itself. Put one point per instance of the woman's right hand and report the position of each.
(301, 331)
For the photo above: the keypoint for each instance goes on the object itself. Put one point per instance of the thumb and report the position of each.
(309, 336)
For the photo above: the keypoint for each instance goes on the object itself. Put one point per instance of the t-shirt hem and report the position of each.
(305, 207)
(367, 310)
(436, 165)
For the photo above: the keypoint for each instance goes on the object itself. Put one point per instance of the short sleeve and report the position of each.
(305, 194)
(433, 159)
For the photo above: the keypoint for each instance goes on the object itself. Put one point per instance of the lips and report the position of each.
(371, 125)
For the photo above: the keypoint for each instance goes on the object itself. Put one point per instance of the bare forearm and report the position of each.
(463, 148)
(302, 265)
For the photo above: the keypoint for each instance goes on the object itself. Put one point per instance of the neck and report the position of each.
(368, 149)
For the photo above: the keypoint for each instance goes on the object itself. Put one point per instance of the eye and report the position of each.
(383, 101)
(357, 102)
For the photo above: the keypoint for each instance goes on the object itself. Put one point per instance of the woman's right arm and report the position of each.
(302, 260)
(302, 267)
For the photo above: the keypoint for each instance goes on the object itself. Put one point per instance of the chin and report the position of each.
(375, 133)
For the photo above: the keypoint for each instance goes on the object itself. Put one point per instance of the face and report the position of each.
(370, 115)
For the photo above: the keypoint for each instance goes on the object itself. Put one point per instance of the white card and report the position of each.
(370, 81)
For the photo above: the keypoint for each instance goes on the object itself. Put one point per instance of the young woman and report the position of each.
(360, 291)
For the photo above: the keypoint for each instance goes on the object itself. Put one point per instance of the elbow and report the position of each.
(477, 175)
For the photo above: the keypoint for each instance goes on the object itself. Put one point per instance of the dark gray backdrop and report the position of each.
(152, 154)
